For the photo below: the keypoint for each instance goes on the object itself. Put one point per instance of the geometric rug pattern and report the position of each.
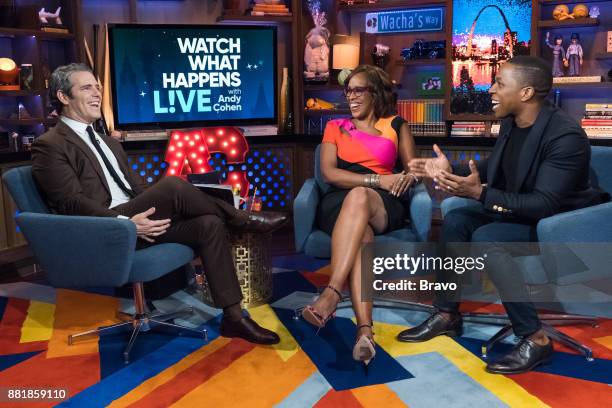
(305, 369)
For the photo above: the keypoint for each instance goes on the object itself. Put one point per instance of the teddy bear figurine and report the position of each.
(316, 51)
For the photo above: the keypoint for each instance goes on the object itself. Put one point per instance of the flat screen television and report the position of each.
(179, 76)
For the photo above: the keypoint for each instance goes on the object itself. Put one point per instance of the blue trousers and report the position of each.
(478, 225)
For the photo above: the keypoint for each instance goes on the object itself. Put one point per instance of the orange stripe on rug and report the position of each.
(260, 378)
(338, 399)
(199, 373)
(76, 312)
(74, 374)
(14, 316)
(560, 391)
(379, 395)
(169, 373)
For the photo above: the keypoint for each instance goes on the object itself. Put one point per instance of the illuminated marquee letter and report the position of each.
(189, 152)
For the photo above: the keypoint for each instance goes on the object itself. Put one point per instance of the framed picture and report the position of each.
(430, 83)
(485, 34)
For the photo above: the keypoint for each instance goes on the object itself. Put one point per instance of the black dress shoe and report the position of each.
(246, 328)
(524, 357)
(263, 222)
(435, 325)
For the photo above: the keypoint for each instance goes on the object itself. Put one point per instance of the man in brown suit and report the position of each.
(82, 173)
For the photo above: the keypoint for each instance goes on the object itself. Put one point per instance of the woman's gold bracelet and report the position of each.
(372, 180)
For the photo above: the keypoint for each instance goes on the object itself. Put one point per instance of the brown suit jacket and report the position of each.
(70, 176)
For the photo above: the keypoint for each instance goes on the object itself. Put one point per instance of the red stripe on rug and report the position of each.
(73, 374)
(317, 279)
(196, 375)
(338, 399)
(560, 391)
(583, 333)
(10, 329)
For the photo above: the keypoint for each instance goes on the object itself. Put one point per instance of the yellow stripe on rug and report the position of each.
(169, 373)
(501, 386)
(265, 317)
(379, 395)
(259, 378)
(76, 312)
(38, 324)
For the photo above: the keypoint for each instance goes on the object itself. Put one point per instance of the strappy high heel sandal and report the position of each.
(365, 348)
(315, 318)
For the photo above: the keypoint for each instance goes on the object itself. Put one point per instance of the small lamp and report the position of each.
(9, 73)
(345, 55)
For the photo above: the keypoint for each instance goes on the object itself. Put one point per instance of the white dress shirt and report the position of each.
(117, 194)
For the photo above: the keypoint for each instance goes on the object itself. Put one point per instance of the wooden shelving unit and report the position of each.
(331, 86)
(255, 19)
(585, 85)
(582, 22)
(323, 112)
(389, 5)
(21, 93)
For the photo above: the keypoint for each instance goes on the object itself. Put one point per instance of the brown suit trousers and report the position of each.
(73, 183)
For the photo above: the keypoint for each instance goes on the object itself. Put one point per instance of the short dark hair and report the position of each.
(60, 81)
(534, 72)
(381, 88)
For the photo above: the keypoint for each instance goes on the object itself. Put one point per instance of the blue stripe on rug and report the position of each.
(331, 351)
(299, 262)
(439, 383)
(10, 360)
(123, 381)
(564, 364)
(285, 283)
(308, 393)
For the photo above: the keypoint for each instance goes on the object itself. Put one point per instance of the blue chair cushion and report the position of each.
(157, 260)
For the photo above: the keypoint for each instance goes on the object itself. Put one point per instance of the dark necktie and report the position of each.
(108, 165)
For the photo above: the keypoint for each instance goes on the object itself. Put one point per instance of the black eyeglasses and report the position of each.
(357, 91)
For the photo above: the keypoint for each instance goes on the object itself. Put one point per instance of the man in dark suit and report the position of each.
(83, 173)
(538, 167)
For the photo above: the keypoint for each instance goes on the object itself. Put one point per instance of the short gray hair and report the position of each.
(60, 81)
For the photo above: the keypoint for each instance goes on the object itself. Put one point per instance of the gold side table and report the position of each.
(251, 253)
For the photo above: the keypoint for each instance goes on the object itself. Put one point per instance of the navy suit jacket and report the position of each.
(553, 170)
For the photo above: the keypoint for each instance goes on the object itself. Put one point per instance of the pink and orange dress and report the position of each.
(363, 153)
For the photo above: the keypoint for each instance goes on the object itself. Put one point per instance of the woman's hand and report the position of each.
(396, 184)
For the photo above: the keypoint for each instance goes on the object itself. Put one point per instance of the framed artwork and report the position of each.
(485, 34)
(430, 83)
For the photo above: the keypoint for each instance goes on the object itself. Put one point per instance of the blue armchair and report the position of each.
(317, 243)
(564, 259)
(77, 251)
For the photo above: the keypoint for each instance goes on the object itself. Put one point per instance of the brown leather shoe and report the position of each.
(246, 328)
(264, 222)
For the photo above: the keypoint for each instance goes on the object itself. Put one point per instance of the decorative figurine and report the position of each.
(580, 11)
(558, 55)
(574, 55)
(44, 16)
(380, 55)
(316, 52)
(594, 12)
(561, 12)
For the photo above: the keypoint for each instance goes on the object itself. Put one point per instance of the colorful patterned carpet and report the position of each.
(304, 370)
